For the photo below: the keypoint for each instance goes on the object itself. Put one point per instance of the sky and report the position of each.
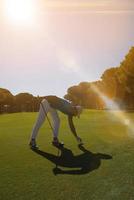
(46, 46)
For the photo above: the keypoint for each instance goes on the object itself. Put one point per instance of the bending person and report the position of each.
(51, 104)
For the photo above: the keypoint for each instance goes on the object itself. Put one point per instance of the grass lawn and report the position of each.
(102, 170)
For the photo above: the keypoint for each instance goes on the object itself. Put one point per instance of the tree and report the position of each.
(24, 102)
(116, 83)
(109, 82)
(126, 77)
(6, 100)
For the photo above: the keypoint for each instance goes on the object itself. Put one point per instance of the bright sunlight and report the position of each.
(20, 12)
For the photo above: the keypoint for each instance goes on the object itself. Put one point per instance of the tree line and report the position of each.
(116, 84)
(22, 102)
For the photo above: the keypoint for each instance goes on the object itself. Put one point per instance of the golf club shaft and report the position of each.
(47, 117)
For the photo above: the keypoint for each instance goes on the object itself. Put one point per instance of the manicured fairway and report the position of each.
(102, 170)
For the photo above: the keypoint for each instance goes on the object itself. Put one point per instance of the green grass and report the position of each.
(28, 175)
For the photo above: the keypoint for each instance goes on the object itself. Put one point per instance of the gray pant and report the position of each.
(41, 118)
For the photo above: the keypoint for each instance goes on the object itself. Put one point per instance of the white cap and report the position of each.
(79, 110)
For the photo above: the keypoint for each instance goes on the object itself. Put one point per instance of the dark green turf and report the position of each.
(89, 175)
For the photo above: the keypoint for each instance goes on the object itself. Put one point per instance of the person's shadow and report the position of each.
(85, 162)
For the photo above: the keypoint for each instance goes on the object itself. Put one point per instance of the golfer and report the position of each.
(51, 104)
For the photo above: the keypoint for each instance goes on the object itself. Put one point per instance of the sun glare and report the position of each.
(20, 11)
(115, 111)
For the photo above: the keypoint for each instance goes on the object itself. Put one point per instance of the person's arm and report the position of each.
(72, 127)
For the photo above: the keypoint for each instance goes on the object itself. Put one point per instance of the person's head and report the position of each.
(79, 110)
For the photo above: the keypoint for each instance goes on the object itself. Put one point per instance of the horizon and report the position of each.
(56, 45)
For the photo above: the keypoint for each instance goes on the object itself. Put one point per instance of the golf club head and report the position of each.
(34, 148)
(80, 144)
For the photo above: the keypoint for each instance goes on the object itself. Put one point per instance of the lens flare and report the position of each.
(127, 122)
(115, 111)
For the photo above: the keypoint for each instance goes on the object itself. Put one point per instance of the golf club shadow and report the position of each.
(85, 162)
